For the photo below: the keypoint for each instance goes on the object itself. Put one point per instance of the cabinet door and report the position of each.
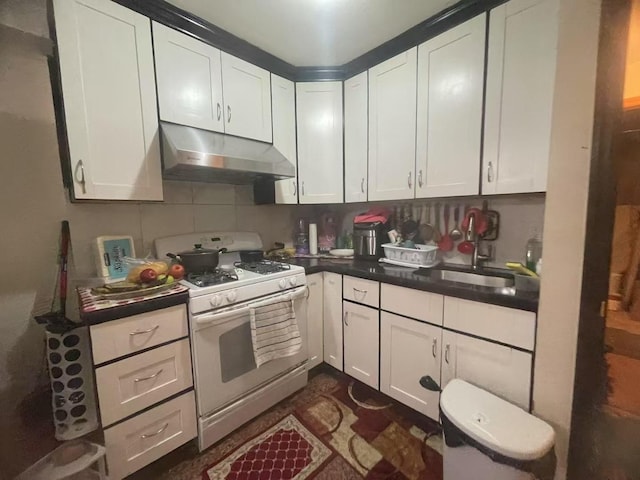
(501, 370)
(109, 96)
(392, 127)
(410, 350)
(361, 342)
(333, 319)
(315, 318)
(355, 138)
(247, 99)
(189, 80)
(520, 84)
(283, 100)
(319, 121)
(450, 86)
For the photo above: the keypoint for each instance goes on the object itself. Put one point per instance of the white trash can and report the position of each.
(488, 438)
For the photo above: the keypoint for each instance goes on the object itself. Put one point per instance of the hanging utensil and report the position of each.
(437, 235)
(56, 320)
(456, 233)
(446, 243)
(426, 230)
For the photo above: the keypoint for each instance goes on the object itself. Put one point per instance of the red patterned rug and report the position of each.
(343, 430)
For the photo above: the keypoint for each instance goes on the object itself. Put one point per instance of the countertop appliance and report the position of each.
(368, 238)
(230, 389)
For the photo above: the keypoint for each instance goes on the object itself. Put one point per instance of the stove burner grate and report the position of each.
(263, 267)
(216, 277)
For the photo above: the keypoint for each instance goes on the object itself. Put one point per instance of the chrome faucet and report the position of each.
(472, 236)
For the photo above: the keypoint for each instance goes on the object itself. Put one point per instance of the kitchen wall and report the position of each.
(33, 202)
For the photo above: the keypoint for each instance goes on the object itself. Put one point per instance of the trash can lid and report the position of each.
(496, 423)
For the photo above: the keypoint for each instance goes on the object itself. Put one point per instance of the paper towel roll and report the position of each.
(313, 239)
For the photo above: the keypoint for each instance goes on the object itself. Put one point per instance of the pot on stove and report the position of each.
(198, 260)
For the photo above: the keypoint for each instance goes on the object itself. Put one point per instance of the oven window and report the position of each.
(236, 352)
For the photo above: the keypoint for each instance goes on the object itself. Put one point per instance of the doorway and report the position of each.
(605, 431)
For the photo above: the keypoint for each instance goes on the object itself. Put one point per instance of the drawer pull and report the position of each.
(141, 332)
(149, 435)
(434, 347)
(150, 377)
(357, 291)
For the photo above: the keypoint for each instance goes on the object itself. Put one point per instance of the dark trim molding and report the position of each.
(431, 27)
(588, 441)
(183, 21)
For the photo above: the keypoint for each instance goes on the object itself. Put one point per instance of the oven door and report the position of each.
(225, 368)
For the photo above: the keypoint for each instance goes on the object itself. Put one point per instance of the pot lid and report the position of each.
(198, 250)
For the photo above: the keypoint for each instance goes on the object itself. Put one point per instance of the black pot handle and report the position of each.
(174, 256)
(222, 250)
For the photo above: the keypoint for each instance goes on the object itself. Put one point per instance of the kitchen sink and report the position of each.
(473, 278)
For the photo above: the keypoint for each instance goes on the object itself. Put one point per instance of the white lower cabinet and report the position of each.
(315, 315)
(409, 351)
(501, 370)
(332, 334)
(361, 340)
(146, 437)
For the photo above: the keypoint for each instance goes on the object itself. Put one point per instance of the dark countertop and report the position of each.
(405, 277)
(94, 311)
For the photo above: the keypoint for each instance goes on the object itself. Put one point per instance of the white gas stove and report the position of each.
(230, 389)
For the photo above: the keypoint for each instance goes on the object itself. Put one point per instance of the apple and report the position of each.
(148, 275)
(176, 271)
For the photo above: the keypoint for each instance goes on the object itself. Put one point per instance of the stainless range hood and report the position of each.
(197, 155)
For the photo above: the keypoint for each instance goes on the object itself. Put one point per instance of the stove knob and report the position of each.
(215, 301)
(231, 296)
(293, 281)
(283, 283)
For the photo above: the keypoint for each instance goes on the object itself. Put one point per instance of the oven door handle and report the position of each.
(216, 317)
(243, 310)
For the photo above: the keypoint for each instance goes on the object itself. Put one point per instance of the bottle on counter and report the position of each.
(302, 238)
(313, 239)
(534, 252)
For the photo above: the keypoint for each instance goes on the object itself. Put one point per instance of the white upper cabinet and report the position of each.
(247, 99)
(519, 98)
(392, 127)
(189, 80)
(450, 87)
(319, 121)
(355, 138)
(283, 100)
(109, 95)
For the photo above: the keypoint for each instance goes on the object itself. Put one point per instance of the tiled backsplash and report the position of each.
(520, 217)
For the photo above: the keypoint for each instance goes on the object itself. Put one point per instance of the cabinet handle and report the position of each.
(295, 188)
(81, 180)
(228, 113)
(362, 185)
(446, 353)
(140, 332)
(409, 180)
(303, 187)
(420, 178)
(345, 318)
(357, 290)
(150, 377)
(148, 435)
(490, 172)
(219, 111)
(434, 347)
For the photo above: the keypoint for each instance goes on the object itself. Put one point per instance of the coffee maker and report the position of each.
(368, 238)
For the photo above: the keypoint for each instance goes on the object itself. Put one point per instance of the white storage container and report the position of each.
(487, 438)
(421, 256)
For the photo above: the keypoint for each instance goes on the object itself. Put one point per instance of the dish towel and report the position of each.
(274, 331)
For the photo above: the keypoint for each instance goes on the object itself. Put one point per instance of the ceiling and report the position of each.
(315, 32)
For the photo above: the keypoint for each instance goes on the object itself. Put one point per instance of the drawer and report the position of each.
(142, 439)
(502, 324)
(110, 340)
(362, 291)
(412, 303)
(127, 386)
